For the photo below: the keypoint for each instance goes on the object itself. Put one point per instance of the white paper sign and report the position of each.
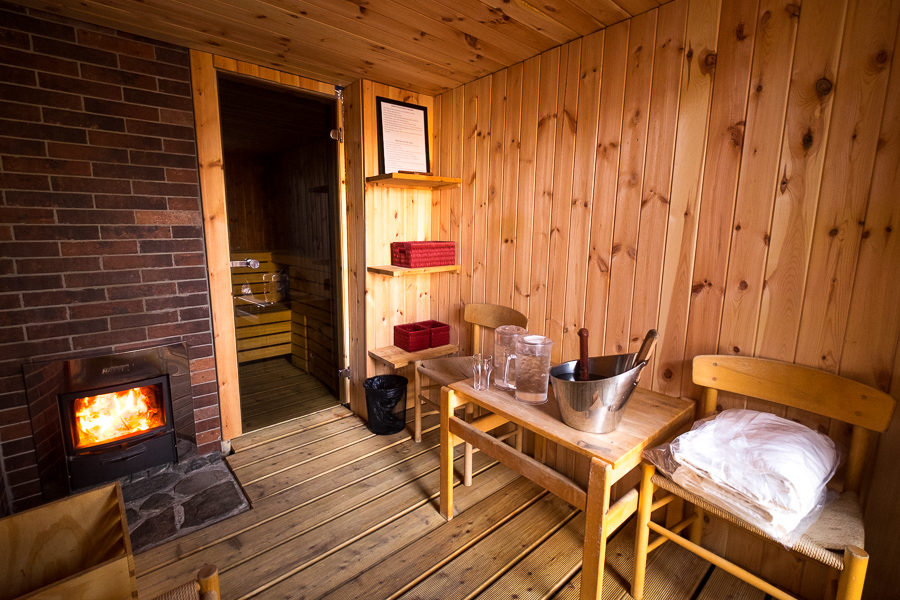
(403, 138)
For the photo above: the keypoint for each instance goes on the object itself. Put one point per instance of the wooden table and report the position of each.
(397, 358)
(650, 418)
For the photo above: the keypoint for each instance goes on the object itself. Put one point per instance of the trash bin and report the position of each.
(386, 403)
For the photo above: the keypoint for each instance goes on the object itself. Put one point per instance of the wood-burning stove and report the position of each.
(89, 426)
(117, 430)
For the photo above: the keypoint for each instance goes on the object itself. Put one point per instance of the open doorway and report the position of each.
(282, 198)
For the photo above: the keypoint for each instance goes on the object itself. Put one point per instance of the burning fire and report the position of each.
(109, 417)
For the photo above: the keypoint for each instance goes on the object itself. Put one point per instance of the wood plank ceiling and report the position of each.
(422, 45)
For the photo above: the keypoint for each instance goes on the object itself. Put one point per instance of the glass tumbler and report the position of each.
(505, 338)
(532, 368)
(482, 365)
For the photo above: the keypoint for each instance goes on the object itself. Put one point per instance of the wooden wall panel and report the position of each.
(633, 146)
(733, 189)
(606, 168)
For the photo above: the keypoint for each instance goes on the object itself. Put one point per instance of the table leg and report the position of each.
(417, 404)
(448, 403)
(595, 530)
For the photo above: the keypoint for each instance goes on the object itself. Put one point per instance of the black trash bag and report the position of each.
(386, 403)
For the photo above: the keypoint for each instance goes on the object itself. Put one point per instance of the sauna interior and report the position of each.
(281, 188)
(720, 171)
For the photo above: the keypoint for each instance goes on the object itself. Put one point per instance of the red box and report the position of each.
(423, 254)
(439, 333)
(411, 337)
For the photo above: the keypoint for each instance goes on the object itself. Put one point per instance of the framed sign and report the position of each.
(402, 137)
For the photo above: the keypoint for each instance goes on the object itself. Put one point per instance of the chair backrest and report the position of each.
(490, 316)
(866, 408)
(797, 386)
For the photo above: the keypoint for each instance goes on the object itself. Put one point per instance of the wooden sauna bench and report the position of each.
(262, 321)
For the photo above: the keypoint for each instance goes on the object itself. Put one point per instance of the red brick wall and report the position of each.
(101, 241)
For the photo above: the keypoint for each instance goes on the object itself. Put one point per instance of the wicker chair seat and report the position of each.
(839, 525)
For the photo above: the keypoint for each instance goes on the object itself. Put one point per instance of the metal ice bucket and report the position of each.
(596, 405)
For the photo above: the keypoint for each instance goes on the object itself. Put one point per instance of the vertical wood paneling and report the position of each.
(457, 97)
(526, 185)
(769, 83)
(727, 126)
(508, 148)
(639, 76)
(606, 166)
(687, 178)
(543, 185)
(680, 170)
(807, 122)
(561, 200)
(668, 58)
(467, 249)
(582, 190)
(859, 100)
(873, 335)
(495, 142)
(482, 186)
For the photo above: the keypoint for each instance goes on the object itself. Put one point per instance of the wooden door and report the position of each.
(204, 69)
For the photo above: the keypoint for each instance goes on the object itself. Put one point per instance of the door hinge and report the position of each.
(337, 135)
(345, 372)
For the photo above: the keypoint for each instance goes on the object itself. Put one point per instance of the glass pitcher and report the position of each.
(532, 368)
(505, 338)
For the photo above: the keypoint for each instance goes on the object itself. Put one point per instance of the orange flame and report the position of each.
(109, 417)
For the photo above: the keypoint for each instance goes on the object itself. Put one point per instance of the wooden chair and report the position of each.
(444, 371)
(836, 539)
(204, 587)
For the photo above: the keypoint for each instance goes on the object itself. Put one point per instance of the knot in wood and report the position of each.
(823, 87)
(708, 64)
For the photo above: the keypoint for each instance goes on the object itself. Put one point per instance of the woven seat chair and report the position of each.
(444, 371)
(836, 539)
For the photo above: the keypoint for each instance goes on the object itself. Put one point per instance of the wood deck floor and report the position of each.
(340, 513)
(274, 390)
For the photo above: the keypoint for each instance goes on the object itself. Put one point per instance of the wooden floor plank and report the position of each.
(272, 551)
(480, 564)
(273, 433)
(724, 585)
(331, 458)
(544, 571)
(388, 463)
(274, 390)
(294, 520)
(358, 518)
(278, 451)
(366, 555)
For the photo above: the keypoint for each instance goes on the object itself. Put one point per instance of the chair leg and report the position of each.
(695, 533)
(417, 404)
(642, 535)
(850, 583)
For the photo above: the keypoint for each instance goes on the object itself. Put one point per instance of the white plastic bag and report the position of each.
(766, 470)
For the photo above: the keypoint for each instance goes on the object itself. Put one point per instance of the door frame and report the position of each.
(204, 71)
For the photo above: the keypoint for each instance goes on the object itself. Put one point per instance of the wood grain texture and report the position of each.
(752, 233)
(215, 221)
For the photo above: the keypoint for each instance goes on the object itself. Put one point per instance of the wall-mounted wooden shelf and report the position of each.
(397, 358)
(414, 180)
(392, 271)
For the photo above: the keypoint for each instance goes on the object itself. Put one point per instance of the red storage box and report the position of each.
(439, 333)
(423, 254)
(411, 337)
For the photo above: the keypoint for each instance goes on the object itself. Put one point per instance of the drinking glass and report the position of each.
(532, 368)
(505, 338)
(482, 365)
